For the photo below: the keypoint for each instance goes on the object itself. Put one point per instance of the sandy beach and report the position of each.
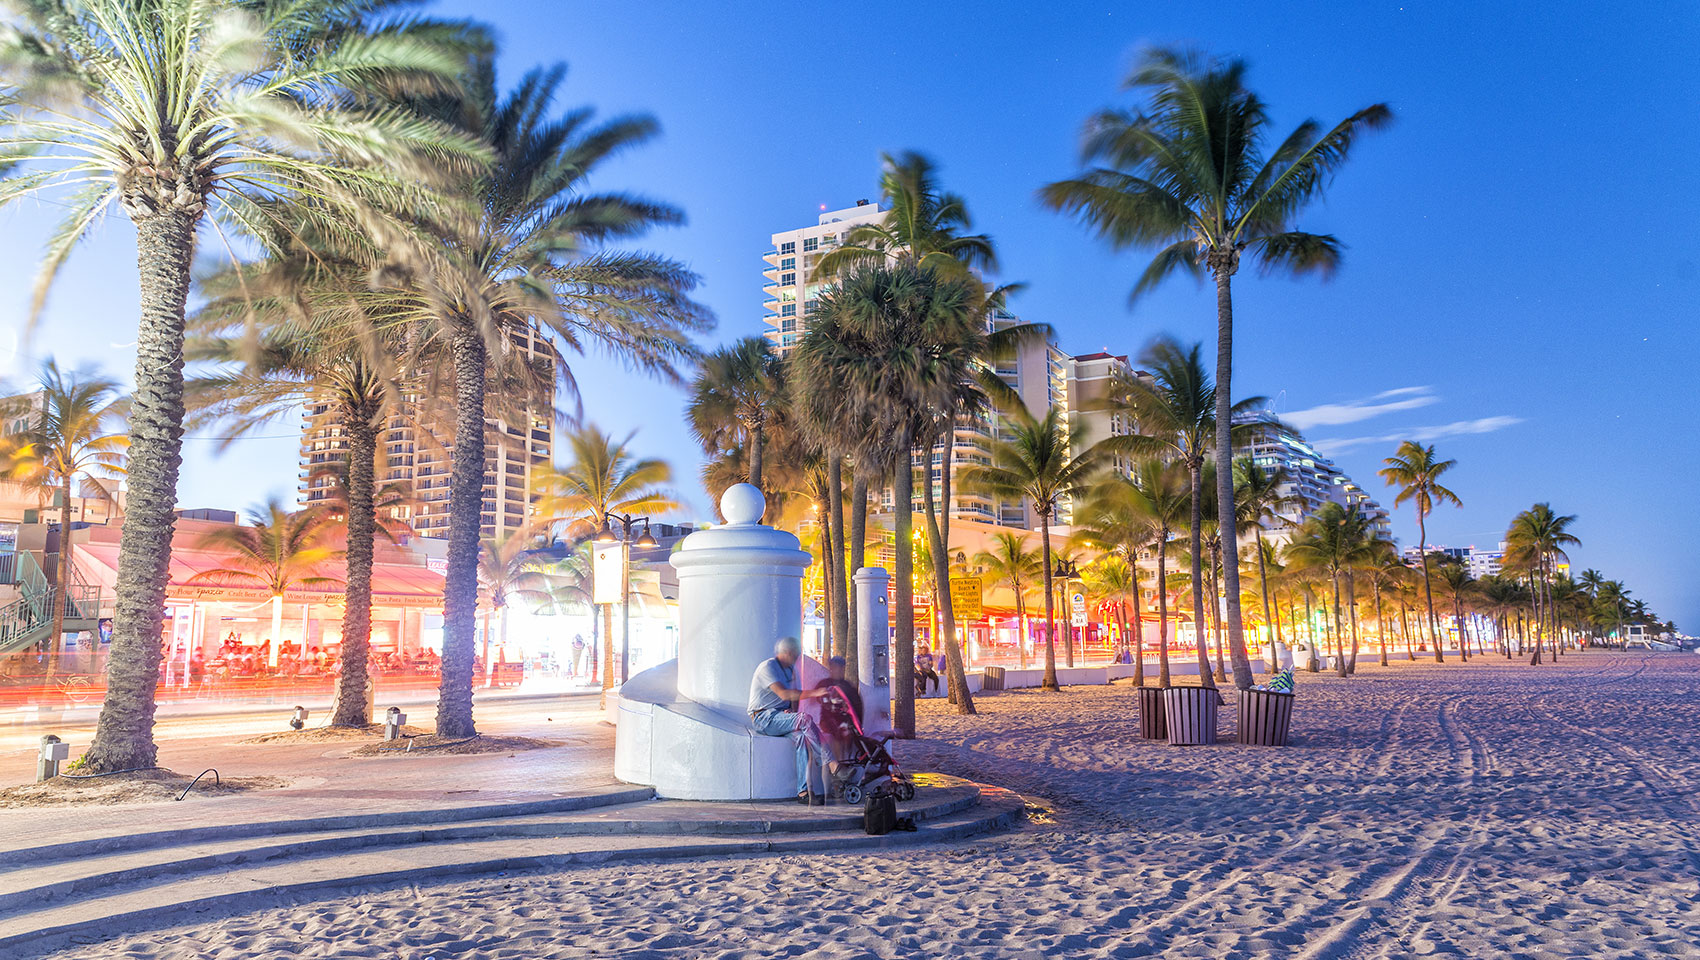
(1488, 810)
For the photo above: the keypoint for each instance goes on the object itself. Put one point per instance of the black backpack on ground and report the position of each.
(879, 815)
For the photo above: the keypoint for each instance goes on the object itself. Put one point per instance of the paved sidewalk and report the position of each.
(324, 781)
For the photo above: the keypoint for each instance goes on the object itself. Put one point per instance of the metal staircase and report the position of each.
(28, 620)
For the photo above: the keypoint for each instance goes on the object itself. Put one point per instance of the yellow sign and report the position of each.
(965, 598)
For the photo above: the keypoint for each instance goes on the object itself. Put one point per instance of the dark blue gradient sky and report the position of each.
(1522, 243)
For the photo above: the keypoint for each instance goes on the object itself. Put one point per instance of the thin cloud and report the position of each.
(1352, 411)
(1459, 428)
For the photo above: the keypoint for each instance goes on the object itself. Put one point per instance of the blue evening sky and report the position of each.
(1522, 242)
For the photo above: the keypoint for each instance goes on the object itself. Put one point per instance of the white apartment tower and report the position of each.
(790, 296)
(414, 446)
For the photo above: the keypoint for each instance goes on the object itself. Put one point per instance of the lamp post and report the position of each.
(626, 522)
(1062, 572)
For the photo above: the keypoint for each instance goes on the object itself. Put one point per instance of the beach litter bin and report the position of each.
(1152, 723)
(1190, 713)
(991, 678)
(1266, 716)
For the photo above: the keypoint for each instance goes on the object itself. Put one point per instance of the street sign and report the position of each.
(965, 595)
(608, 572)
(1078, 601)
(1079, 618)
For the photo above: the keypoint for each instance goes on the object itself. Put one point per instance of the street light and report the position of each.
(624, 537)
(1063, 571)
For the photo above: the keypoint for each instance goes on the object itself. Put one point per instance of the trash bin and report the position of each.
(1190, 713)
(1265, 717)
(1152, 724)
(991, 678)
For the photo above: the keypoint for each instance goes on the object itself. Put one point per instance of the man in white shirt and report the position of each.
(774, 695)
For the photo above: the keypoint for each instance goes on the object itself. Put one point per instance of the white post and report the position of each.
(873, 645)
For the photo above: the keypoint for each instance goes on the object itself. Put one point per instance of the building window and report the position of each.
(809, 307)
(810, 243)
(788, 309)
(788, 325)
(788, 247)
(787, 279)
(789, 263)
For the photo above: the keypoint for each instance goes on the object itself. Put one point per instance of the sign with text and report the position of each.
(965, 595)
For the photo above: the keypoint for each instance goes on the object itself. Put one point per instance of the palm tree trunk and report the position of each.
(1263, 587)
(903, 520)
(349, 699)
(757, 442)
(1339, 631)
(1194, 534)
(1163, 611)
(1310, 635)
(1225, 519)
(1067, 622)
(858, 557)
(466, 504)
(1138, 624)
(1352, 612)
(842, 639)
(1428, 592)
(1050, 679)
(1405, 628)
(165, 247)
(938, 538)
(1380, 626)
(1216, 617)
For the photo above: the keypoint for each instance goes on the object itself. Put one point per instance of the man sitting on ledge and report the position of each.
(774, 695)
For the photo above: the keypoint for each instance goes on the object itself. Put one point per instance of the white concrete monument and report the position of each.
(684, 726)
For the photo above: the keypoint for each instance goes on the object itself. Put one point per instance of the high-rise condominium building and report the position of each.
(791, 297)
(1313, 480)
(414, 446)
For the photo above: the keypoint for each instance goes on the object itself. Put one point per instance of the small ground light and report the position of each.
(298, 719)
(53, 753)
(393, 721)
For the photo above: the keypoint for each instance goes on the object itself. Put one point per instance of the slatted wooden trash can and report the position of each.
(1152, 723)
(991, 678)
(1190, 713)
(1266, 716)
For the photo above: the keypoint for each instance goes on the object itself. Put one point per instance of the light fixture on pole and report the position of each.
(624, 537)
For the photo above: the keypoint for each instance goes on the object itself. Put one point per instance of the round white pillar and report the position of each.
(740, 589)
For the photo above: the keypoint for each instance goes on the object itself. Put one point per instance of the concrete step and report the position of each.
(27, 887)
(146, 902)
(79, 849)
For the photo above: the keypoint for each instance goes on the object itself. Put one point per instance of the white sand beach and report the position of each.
(1488, 810)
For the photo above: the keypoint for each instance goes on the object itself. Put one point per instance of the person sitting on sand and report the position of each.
(774, 695)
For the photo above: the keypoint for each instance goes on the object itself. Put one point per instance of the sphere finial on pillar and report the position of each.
(742, 503)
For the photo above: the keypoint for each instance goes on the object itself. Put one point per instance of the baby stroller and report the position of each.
(866, 767)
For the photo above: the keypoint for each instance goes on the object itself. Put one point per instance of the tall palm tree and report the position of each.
(1415, 471)
(1175, 410)
(1261, 497)
(176, 111)
(887, 344)
(276, 551)
(1385, 573)
(1114, 579)
(509, 569)
(297, 328)
(922, 221)
(1537, 539)
(74, 421)
(1456, 585)
(1331, 542)
(737, 390)
(602, 477)
(532, 256)
(1192, 174)
(1161, 493)
(1036, 464)
(1012, 563)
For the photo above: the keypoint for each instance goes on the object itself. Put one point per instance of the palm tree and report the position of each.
(1456, 584)
(737, 390)
(174, 111)
(1036, 463)
(1113, 578)
(1261, 496)
(1116, 516)
(509, 569)
(1332, 541)
(73, 419)
(1385, 572)
(1416, 472)
(278, 551)
(297, 329)
(1161, 494)
(1175, 410)
(533, 258)
(1192, 174)
(921, 221)
(1011, 562)
(602, 477)
(1537, 539)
